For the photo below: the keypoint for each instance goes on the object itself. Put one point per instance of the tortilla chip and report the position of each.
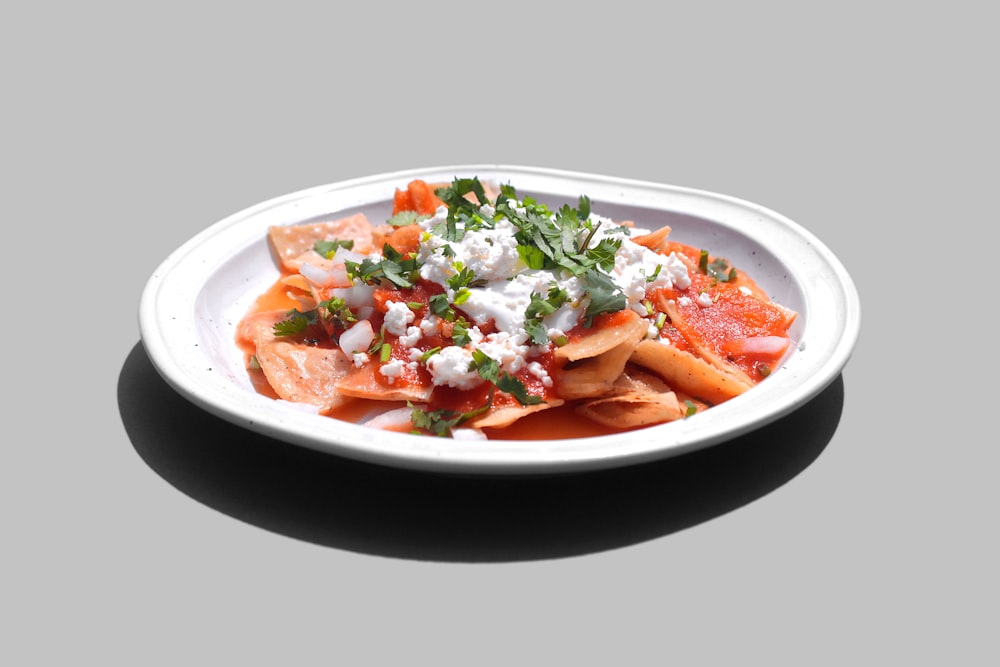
(604, 339)
(364, 382)
(293, 244)
(507, 415)
(633, 409)
(297, 372)
(685, 372)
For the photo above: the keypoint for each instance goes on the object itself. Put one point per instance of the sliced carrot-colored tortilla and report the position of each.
(506, 415)
(685, 372)
(293, 244)
(297, 372)
(633, 409)
(365, 382)
(628, 328)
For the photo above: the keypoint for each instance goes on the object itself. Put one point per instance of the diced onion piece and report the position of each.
(391, 420)
(467, 434)
(356, 296)
(358, 338)
(771, 347)
(342, 255)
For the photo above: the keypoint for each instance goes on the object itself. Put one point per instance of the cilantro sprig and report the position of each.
(398, 269)
(442, 422)
(562, 240)
(718, 269)
(489, 369)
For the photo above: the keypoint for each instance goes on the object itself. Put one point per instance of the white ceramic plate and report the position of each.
(191, 305)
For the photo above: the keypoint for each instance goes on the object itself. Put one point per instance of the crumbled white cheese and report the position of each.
(392, 369)
(450, 367)
(398, 315)
(538, 370)
(411, 337)
(508, 350)
(430, 325)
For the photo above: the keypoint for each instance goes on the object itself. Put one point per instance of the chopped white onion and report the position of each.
(467, 434)
(356, 296)
(391, 420)
(358, 338)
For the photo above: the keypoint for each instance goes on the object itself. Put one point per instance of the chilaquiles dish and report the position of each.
(473, 313)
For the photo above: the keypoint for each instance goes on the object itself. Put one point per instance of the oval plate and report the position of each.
(192, 303)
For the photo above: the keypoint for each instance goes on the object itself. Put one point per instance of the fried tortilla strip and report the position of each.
(365, 382)
(631, 329)
(507, 415)
(697, 343)
(297, 372)
(656, 241)
(293, 244)
(637, 379)
(687, 373)
(633, 409)
(597, 360)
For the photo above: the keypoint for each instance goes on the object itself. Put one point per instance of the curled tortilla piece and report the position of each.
(698, 345)
(297, 372)
(598, 359)
(633, 409)
(637, 379)
(595, 376)
(363, 383)
(685, 372)
(631, 330)
(656, 241)
(507, 415)
(293, 244)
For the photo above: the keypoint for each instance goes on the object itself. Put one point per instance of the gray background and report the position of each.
(868, 540)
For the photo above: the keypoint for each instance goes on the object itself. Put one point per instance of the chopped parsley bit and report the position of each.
(441, 422)
(605, 296)
(329, 248)
(718, 269)
(401, 272)
(489, 369)
(655, 274)
(440, 306)
(464, 277)
(296, 322)
(691, 408)
(404, 218)
(338, 311)
(539, 308)
(460, 332)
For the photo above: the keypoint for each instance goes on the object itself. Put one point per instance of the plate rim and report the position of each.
(499, 456)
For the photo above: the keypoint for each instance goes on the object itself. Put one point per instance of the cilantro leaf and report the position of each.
(489, 369)
(605, 296)
(441, 422)
(329, 248)
(296, 322)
